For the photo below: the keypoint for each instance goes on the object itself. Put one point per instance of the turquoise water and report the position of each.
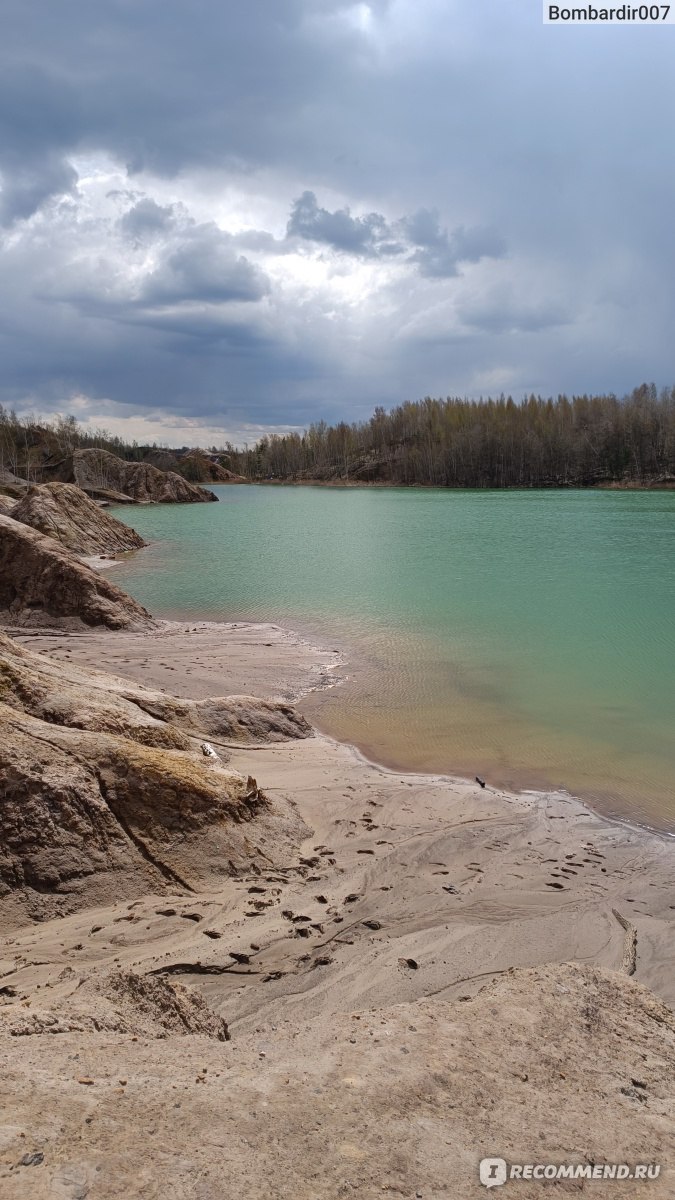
(526, 636)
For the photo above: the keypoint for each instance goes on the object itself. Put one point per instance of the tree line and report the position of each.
(38, 451)
(578, 441)
(31, 448)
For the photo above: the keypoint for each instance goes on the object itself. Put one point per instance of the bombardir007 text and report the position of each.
(624, 14)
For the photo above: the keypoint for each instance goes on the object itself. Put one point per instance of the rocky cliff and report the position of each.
(198, 466)
(99, 473)
(44, 583)
(65, 513)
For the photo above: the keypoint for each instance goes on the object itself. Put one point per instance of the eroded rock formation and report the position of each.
(44, 583)
(100, 473)
(65, 694)
(65, 513)
(100, 795)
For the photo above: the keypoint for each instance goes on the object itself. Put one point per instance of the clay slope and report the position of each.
(7, 504)
(98, 472)
(101, 797)
(9, 480)
(66, 513)
(43, 583)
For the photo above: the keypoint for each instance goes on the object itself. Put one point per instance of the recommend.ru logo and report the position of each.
(494, 1172)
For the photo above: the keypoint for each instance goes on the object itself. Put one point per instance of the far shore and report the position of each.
(605, 485)
(467, 881)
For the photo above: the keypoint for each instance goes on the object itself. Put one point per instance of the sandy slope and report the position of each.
(553, 1065)
(357, 1065)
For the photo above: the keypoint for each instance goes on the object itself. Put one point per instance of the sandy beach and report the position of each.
(382, 1036)
(465, 880)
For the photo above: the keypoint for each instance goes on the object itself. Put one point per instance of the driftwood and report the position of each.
(629, 959)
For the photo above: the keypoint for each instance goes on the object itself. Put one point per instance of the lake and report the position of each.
(526, 636)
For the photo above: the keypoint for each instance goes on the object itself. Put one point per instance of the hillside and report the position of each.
(578, 441)
(40, 451)
(196, 465)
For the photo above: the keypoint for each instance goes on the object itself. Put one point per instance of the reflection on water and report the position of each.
(524, 636)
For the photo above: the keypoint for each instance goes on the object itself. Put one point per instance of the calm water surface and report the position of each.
(526, 636)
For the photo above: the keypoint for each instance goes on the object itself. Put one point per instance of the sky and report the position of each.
(226, 217)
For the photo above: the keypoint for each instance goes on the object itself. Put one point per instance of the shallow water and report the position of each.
(525, 636)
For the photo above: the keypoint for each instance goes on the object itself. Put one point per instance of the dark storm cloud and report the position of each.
(161, 84)
(369, 235)
(437, 253)
(28, 183)
(477, 202)
(147, 220)
(40, 119)
(204, 267)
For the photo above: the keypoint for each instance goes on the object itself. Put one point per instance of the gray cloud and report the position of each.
(147, 220)
(368, 235)
(40, 117)
(436, 253)
(27, 184)
(150, 155)
(439, 254)
(204, 267)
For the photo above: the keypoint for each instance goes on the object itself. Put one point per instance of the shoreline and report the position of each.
(335, 659)
(496, 729)
(559, 794)
(557, 869)
(610, 485)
